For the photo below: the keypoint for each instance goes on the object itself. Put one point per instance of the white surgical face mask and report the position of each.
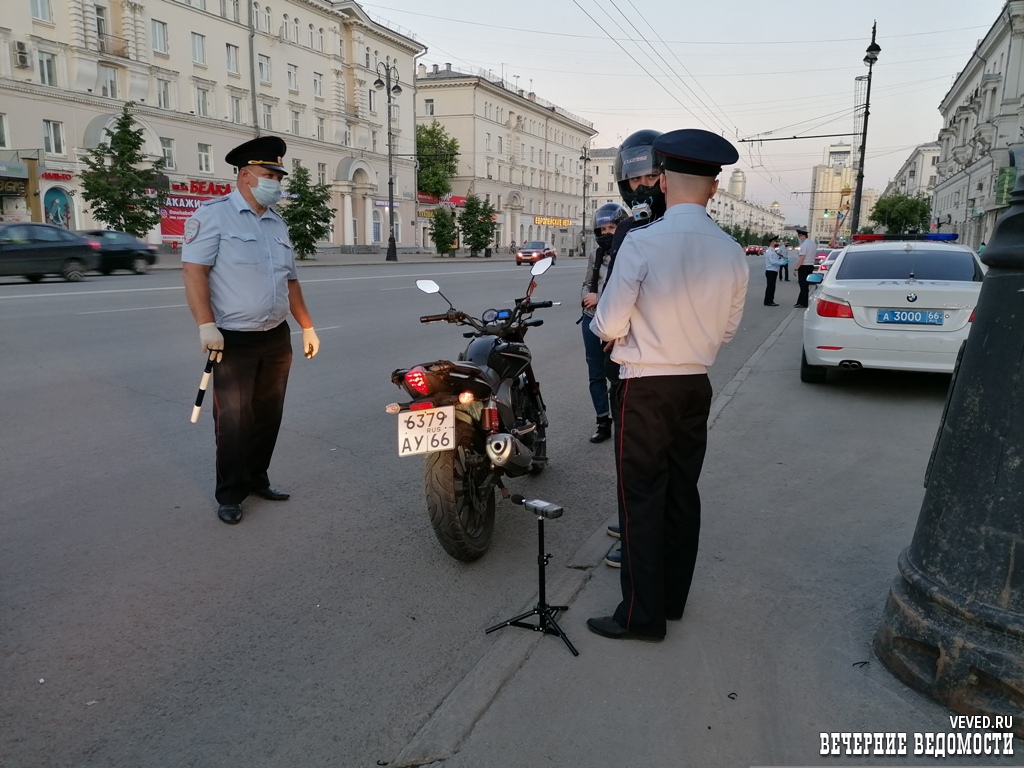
(267, 191)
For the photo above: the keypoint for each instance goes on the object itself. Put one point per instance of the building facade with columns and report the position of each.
(205, 76)
(983, 120)
(517, 151)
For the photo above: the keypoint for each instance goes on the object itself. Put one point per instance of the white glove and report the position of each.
(310, 342)
(211, 340)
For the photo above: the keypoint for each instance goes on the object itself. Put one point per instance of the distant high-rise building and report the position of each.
(738, 184)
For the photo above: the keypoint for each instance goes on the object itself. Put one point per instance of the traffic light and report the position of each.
(827, 213)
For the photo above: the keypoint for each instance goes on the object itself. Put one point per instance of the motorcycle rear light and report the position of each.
(417, 380)
(829, 308)
(424, 406)
(465, 398)
(392, 408)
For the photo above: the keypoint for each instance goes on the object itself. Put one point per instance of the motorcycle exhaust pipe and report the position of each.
(507, 452)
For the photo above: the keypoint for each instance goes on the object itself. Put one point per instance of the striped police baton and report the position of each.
(204, 382)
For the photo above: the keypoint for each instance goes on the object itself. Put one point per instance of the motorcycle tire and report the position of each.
(461, 515)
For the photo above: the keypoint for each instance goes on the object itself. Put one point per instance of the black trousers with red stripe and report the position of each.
(248, 401)
(660, 441)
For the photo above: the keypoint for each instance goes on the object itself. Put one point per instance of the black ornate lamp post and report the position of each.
(585, 158)
(953, 626)
(387, 73)
(870, 58)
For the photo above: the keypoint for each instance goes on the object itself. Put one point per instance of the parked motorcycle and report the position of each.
(478, 419)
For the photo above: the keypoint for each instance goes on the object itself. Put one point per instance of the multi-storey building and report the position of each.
(981, 119)
(522, 154)
(206, 75)
(833, 185)
(918, 174)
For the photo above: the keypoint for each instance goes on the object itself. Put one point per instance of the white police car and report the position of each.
(893, 302)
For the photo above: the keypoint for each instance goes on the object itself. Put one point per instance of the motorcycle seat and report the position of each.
(486, 373)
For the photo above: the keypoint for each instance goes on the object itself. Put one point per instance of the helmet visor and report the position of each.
(636, 161)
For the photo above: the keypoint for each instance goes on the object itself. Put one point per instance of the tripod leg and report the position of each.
(548, 620)
(512, 622)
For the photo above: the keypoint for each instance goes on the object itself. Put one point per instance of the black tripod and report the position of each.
(545, 613)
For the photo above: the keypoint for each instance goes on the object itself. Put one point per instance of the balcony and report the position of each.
(112, 46)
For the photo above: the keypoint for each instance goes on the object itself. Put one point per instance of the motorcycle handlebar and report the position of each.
(533, 323)
(540, 304)
(434, 318)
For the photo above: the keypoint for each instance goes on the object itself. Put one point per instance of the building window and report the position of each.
(236, 109)
(203, 102)
(293, 77)
(610, 186)
(499, 144)
(205, 160)
(198, 48)
(47, 68)
(255, 14)
(294, 126)
(163, 94)
(108, 82)
(263, 67)
(200, 4)
(320, 39)
(321, 173)
(373, 141)
(318, 85)
(367, 58)
(41, 10)
(53, 137)
(268, 117)
(347, 139)
(320, 129)
(232, 58)
(3, 131)
(159, 36)
(372, 100)
(167, 147)
(428, 107)
(396, 115)
(487, 142)
(229, 9)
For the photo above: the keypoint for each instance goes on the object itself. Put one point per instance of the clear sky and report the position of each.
(744, 69)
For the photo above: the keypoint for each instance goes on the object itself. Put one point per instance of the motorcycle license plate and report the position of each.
(426, 431)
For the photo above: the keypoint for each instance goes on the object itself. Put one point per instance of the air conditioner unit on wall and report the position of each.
(21, 57)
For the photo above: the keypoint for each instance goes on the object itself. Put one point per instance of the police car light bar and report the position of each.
(942, 236)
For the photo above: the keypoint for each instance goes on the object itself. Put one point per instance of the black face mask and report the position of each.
(605, 241)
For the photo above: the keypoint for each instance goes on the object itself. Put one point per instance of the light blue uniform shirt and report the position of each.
(251, 262)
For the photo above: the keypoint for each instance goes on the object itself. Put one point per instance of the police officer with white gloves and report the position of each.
(675, 295)
(241, 283)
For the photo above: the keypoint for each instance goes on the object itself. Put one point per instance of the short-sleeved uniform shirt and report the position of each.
(251, 262)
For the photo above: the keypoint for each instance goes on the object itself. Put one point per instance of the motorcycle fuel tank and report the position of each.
(506, 358)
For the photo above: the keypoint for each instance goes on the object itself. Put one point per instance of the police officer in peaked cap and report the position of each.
(675, 295)
(241, 284)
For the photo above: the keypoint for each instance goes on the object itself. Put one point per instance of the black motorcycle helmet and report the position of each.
(636, 157)
(609, 213)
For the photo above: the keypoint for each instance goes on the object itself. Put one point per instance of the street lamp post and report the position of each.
(585, 157)
(871, 56)
(386, 74)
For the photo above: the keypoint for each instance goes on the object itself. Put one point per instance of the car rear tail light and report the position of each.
(94, 245)
(416, 378)
(971, 318)
(830, 308)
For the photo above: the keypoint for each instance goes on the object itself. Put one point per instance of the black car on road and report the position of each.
(122, 251)
(35, 250)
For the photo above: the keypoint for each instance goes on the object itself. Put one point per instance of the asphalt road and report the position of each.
(138, 630)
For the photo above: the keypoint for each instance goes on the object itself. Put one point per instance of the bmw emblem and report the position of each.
(911, 297)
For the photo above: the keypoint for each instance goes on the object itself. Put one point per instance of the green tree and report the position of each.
(900, 213)
(121, 186)
(443, 230)
(437, 156)
(477, 224)
(307, 213)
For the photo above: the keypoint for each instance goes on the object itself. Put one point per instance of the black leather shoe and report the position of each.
(230, 513)
(603, 431)
(773, 304)
(272, 494)
(607, 626)
(799, 306)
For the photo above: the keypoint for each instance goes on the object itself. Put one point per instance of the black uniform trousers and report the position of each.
(801, 274)
(660, 441)
(770, 277)
(248, 400)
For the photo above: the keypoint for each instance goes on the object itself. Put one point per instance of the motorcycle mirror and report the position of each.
(541, 266)
(428, 286)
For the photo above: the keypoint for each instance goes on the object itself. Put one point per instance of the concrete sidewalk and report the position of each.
(809, 494)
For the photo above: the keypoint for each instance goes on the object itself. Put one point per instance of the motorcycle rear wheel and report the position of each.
(461, 513)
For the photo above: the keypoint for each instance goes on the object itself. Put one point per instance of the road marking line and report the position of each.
(93, 293)
(318, 329)
(132, 309)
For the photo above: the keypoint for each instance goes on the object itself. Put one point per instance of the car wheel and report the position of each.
(139, 265)
(105, 271)
(33, 278)
(73, 271)
(811, 374)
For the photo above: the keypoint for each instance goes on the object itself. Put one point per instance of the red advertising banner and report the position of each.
(456, 200)
(174, 213)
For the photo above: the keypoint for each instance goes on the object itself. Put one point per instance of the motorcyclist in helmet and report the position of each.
(606, 220)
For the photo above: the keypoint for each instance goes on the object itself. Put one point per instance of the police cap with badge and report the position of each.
(694, 151)
(263, 152)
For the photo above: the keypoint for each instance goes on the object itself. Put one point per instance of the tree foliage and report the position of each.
(121, 186)
(307, 213)
(437, 154)
(443, 230)
(477, 224)
(900, 213)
